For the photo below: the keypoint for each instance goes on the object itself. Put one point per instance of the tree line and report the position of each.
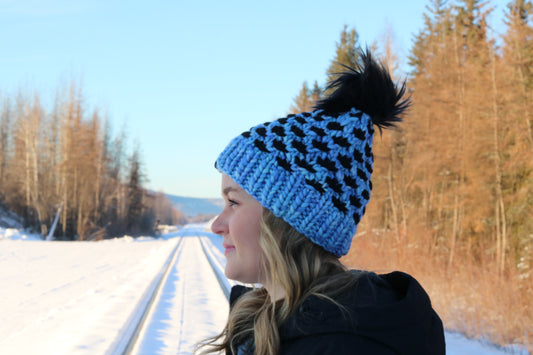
(458, 171)
(455, 180)
(64, 161)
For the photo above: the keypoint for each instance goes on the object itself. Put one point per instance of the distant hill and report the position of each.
(192, 206)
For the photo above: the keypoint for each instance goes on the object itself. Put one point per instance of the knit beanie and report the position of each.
(313, 169)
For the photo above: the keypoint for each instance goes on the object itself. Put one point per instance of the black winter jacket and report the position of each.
(387, 314)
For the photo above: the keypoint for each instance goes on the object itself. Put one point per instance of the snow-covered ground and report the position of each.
(72, 297)
(192, 308)
(77, 297)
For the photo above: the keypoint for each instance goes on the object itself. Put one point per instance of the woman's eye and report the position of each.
(232, 203)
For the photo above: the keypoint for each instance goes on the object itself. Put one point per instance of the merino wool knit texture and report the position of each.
(311, 169)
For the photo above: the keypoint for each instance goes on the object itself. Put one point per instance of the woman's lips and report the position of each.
(228, 248)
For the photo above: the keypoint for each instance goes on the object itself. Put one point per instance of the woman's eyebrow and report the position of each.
(229, 189)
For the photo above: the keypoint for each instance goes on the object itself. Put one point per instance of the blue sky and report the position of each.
(185, 77)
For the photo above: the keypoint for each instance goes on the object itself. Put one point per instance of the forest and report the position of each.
(64, 161)
(453, 186)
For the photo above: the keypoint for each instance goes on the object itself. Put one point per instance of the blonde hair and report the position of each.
(300, 268)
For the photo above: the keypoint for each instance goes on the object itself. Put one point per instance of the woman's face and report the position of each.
(240, 226)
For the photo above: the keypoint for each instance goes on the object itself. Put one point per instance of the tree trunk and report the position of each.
(501, 225)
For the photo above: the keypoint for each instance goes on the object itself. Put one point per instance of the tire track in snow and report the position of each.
(130, 334)
(192, 304)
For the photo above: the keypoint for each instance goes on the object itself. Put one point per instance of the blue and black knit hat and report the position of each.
(314, 169)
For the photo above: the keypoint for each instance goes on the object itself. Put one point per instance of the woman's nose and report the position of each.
(218, 226)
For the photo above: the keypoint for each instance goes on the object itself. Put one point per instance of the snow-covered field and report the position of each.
(78, 297)
(72, 297)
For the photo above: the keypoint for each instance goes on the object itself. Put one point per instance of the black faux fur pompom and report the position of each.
(368, 88)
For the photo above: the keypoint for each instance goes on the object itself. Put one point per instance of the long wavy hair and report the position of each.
(295, 265)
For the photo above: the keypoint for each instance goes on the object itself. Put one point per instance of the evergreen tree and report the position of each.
(346, 53)
(471, 25)
(316, 93)
(389, 198)
(135, 195)
(434, 85)
(518, 53)
(303, 101)
(431, 38)
(517, 113)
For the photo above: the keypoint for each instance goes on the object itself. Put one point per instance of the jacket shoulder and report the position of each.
(334, 343)
(382, 314)
(236, 292)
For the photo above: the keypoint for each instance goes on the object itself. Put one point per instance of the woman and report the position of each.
(295, 190)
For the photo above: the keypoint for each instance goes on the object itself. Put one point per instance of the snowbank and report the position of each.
(18, 234)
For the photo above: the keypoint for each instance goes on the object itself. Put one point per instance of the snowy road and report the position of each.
(78, 297)
(191, 296)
